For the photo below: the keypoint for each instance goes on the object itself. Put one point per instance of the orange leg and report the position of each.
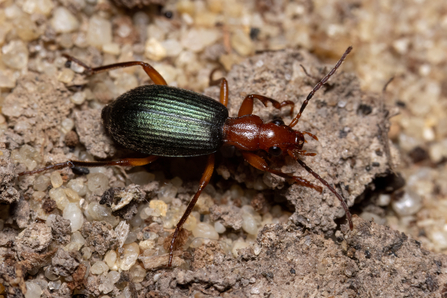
(151, 72)
(260, 164)
(126, 162)
(224, 92)
(203, 183)
(247, 105)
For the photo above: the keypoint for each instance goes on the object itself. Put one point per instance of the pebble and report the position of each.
(99, 267)
(97, 183)
(239, 244)
(59, 196)
(41, 183)
(206, 231)
(38, 7)
(63, 20)
(74, 214)
(56, 179)
(76, 242)
(160, 208)
(110, 259)
(33, 290)
(67, 125)
(129, 256)
(78, 98)
(154, 50)
(137, 273)
(99, 32)
(54, 285)
(219, 227)
(66, 75)
(15, 55)
(113, 276)
(72, 196)
(197, 40)
(242, 43)
(86, 252)
(408, 204)
(78, 186)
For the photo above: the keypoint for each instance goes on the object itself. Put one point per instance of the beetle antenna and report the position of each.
(339, 197)
(318, 86)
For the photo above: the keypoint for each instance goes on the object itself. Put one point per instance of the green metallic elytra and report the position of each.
(166, 121)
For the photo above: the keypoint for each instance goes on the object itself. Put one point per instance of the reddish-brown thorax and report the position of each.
(250, 133)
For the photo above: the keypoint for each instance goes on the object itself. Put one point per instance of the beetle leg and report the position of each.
(151, 72)
(203, 182)
(310, 135)
(247, 105)
(126, 162)
(259, 163)
(224, 92)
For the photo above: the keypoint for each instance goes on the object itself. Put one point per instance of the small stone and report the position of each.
(66, 75)
(33, 290)
(173, 47)
(99, 32)
(239, 244)
(38, 7)
(76, 242)
(110, 259)
(197, 40)
(97, 183)
(111, 48)
(129, 256)
(167, 193)
(86, 252)
(15, 54)
(137, 273)
(99, 267)
(113, 276)
(78, 98)
(74, 214)
(56, 179)
(147, 244)
(67, 125)
(408, 204)
(154, 50)
(219, 227)
(59, 196)
(242, 43)
(206, 231)
(41, 183)
(72, 196)
(78, 186)
(63, 20)
(160, 208)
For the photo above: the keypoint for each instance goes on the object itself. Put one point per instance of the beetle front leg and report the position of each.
(126, 162)
(151, 72)
(247, 105)
(259, 163)
(171, 240)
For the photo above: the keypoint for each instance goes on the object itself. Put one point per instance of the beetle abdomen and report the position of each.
(166, 121)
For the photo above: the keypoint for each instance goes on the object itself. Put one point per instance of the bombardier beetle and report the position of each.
(164, 121)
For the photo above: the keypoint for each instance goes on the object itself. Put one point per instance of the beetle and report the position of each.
(164, 121)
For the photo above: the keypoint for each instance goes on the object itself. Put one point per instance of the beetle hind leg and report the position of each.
(126, 162)
(173, 243)
(150, 71)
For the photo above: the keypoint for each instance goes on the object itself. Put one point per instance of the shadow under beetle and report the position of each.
(159, 120)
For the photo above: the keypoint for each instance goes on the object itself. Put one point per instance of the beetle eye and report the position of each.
(275, 151)
(278, 121)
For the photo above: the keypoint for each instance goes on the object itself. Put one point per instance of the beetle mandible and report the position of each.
(164, 121)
